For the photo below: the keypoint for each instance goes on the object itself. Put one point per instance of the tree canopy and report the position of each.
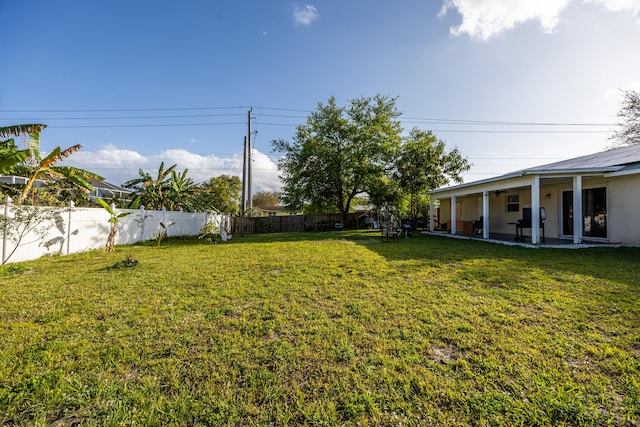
(343, 152)
(266, 198)
(629, 114)
(336, 153)
(424, 164)
(221, 193)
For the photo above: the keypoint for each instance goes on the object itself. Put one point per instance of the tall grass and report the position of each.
(323, 329)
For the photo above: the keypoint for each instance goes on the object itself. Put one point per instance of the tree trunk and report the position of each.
(111, 239)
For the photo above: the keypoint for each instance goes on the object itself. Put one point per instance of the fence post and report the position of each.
(71, 206)
(7, 202)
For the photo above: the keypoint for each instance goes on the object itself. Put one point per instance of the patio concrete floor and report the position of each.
(509, 239)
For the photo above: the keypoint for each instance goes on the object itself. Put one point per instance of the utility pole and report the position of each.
(243, 204)
(249, 150)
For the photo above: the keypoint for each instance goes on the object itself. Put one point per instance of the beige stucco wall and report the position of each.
(623, 209)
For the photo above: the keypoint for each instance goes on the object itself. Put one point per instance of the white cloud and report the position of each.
(305, 15)
(119, 165)
(484, 19)
(264, 172)
(618, 5)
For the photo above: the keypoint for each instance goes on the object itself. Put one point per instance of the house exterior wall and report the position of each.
(623, 209)
(499, 217)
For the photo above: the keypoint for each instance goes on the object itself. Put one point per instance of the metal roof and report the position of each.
(618, 161)
(618, 157)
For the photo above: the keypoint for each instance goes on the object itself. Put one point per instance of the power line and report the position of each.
(405, 120)
(98, 110)
(517, 131)
(146, 125)
(132, 117)
(498, 123)
(426, 120)
(525, 131)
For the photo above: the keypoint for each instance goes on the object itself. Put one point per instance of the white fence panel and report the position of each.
(89, 228)
(79, 229)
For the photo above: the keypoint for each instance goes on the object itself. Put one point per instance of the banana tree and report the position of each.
(113, 220)
(182, 193)
(10, 155)
(30, 162)
(152, 192)
(45, 169)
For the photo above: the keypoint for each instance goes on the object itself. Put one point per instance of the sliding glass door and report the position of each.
(594, 212)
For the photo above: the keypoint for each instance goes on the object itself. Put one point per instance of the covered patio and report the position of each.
(590, 199)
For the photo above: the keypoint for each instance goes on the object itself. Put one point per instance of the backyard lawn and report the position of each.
(331, 328)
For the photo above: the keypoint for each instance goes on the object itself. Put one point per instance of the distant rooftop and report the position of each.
(104, 185)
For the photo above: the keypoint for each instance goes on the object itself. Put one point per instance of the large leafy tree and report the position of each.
(152, 192)
(337, 152)
(221, 193)
(425, 164)
(384, 191)
(629, 114)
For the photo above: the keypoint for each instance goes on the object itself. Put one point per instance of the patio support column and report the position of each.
(535, 210)
(453, 215)
(431, 228)
(485, 214)
(577, 209)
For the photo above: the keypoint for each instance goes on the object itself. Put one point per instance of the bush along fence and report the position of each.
(29, 232)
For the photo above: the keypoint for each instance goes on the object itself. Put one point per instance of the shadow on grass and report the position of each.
(617, 264)
(611, 263)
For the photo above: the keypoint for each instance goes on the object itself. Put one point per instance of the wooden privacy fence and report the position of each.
(288, 223)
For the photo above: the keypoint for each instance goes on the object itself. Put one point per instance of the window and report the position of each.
(513, 203)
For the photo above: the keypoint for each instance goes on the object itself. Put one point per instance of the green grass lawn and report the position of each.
(323, 329)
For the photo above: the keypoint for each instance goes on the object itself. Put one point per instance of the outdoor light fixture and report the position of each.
(547, 196)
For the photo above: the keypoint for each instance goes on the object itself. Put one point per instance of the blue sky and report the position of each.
(511, 83)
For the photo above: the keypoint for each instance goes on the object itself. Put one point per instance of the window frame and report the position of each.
(511, 205)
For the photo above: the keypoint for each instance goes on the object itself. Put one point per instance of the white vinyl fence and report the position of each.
(70, 230)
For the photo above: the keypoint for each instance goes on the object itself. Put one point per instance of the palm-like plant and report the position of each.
(30, 163)
(152, 192)
(114, 219)
(10, 155)
(45, 169)
(182, 193)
